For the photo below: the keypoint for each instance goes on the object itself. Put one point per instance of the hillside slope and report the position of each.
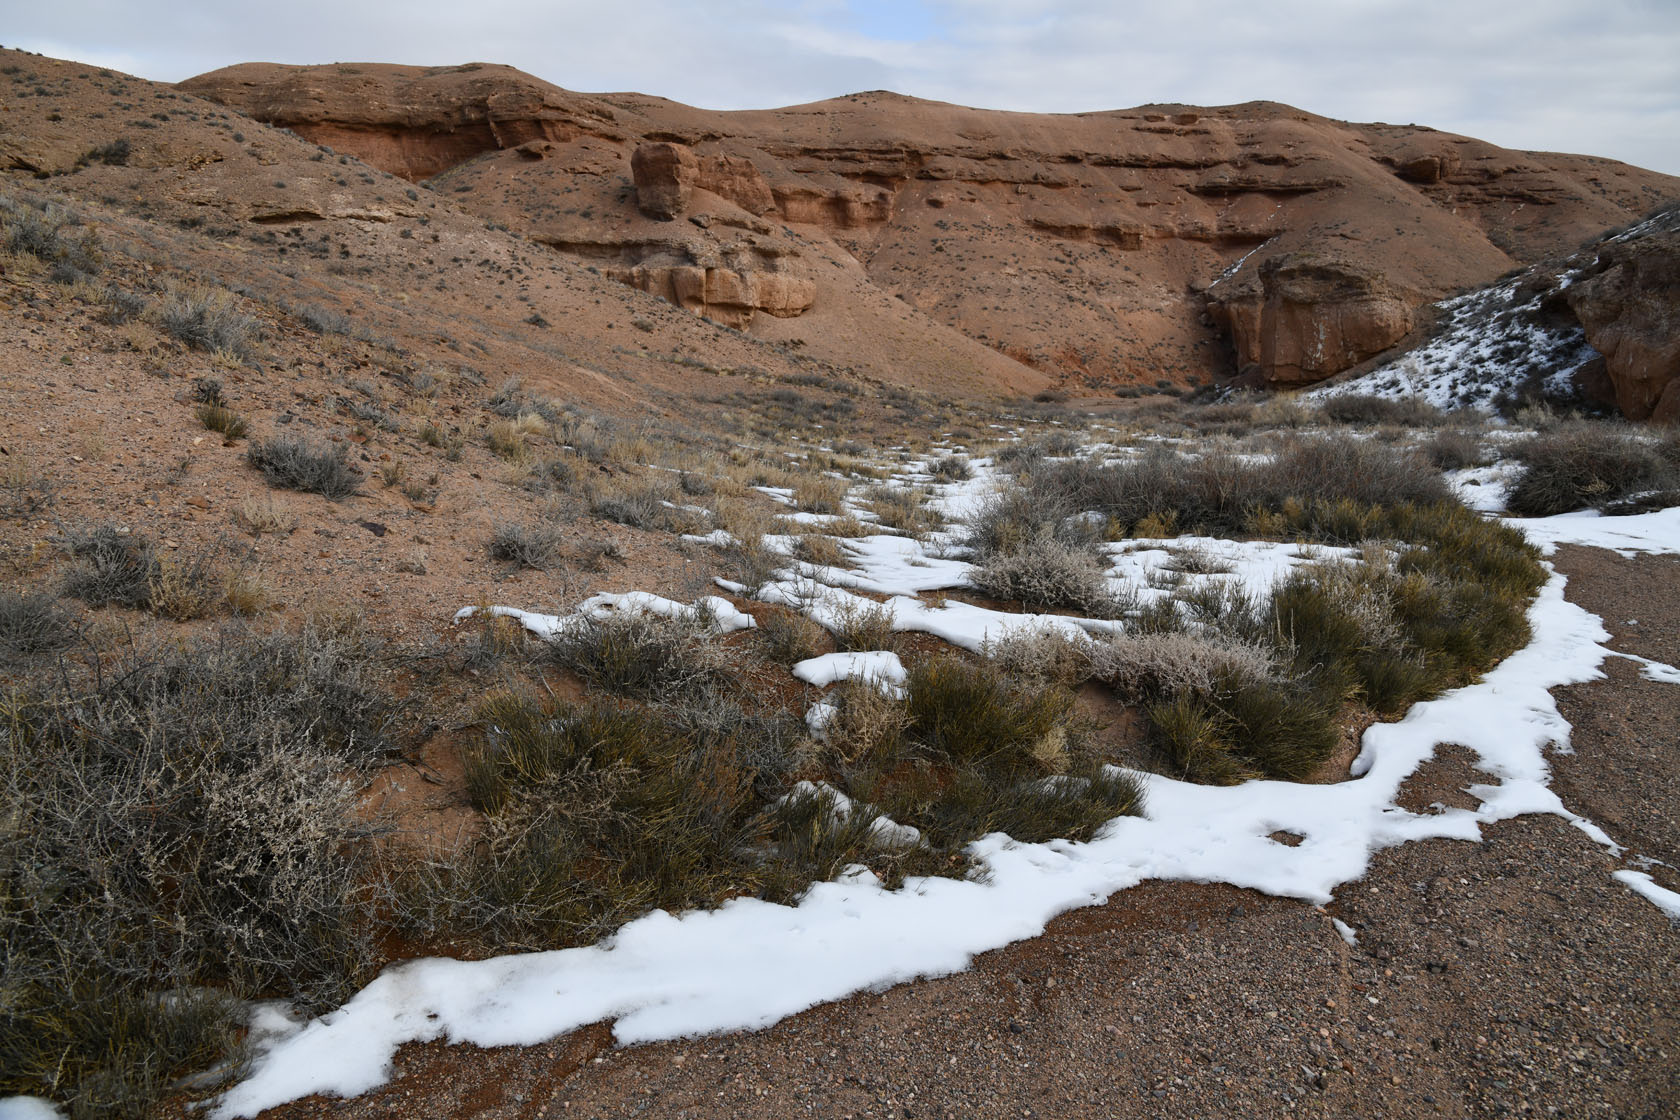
(1107, 249)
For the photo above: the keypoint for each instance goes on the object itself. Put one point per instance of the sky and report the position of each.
(1594, 76)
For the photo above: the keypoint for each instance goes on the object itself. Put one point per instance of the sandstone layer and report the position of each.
(1160, 244)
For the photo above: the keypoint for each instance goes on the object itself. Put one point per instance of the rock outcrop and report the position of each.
(1629, 307)
(723, 294)
(666, 176)
(1315, 317)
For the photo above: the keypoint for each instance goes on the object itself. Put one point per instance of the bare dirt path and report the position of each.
(1509, 978)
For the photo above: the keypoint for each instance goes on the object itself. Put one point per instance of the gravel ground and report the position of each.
(1509, 978)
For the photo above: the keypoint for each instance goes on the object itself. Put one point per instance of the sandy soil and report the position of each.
(1510, 978)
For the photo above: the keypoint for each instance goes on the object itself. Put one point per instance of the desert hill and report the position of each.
(286, 221)
(1163, 243)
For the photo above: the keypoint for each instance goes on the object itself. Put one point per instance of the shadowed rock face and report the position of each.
(1313, 318)
(1630, 309)
(1103, 249)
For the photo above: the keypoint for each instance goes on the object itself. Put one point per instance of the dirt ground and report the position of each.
(1509, 978)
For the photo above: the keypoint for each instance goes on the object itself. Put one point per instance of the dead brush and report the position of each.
(184, 826)
(866, 723)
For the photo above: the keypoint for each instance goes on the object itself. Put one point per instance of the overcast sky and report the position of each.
(1595, 76)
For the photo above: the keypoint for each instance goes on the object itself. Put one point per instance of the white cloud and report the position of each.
(1548, 74)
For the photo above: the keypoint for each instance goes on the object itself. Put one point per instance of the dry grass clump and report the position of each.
(296, 464)
(640, 501)
(1223, 494)
(1039, 654)
(23, 490)
(536, 546)
(951, 468)
(185, 587)
(1172, 662)
(1594, 465)
(789, 637)
(264, 515)
(820, 494)
(597, 813)
(820, 549)
(904, 509)
(643, 655)
(183, 836)
(220, 418)
(110, 568)
(51, 234)
(1454, 449)
(862, 625)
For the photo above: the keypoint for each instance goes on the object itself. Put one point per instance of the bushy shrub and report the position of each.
(50, 234)
(643, 655)
(1588, 465)
(207, 318)
(1044, 572)
(33, 624)
(181, 838)
(528, 546)
(296, 464)
(1358, 408)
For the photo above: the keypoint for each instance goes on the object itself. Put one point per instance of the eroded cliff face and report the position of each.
(1629, 306)
(1316, 317)
(1165, 243)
